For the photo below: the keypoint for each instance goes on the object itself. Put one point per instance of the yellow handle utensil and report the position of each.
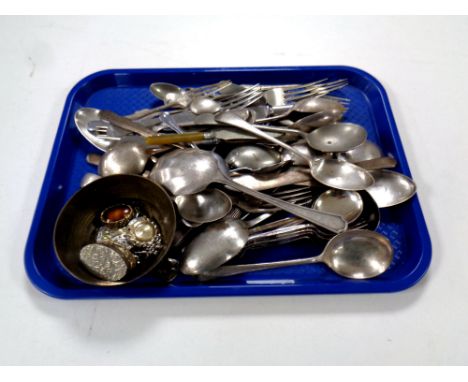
(168, 139)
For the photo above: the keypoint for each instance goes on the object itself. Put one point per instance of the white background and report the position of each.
(422, 62)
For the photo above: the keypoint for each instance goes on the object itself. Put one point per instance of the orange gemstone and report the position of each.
(116, 214)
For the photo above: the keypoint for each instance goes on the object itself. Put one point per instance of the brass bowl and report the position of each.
(79, 220)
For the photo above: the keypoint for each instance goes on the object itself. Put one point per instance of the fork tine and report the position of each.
(314, 92)
(240, 96)
(313, 86)
(342, 100)
(242, 99)
(226, 97)
(242, 103)
(285, 86)
(307, 87)
(210, 89)
(300, 87)
(315, 89)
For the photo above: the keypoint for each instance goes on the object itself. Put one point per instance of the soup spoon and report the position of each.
(355, 254)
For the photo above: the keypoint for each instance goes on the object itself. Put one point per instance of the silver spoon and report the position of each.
(298, 175)
(126, 157)
(304, 148)
(368, 150)
(310, 122)
(294, 175)
(170, 94)
(348, 204)
(331, 172)
(189, 171)
(325, 110)
(376, 163)
(320, 104)
(218, 243)
(255, 159)
(391, 188)
(336, 138)
(355, 254)
(204, 105)
(204, 207)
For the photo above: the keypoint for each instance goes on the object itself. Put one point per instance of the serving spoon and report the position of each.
(338, 137)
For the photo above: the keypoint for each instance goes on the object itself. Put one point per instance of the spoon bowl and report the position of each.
(204, 207)
(348, 204)
(320, 104)
(336, 138)
(341, 175)
(127, 157)
(391, 188)
(313, 121)
(253, 159)
(169, 93)
(202, 105)
(216, 245)
(358, 254)
(367, 151)
(287, 155)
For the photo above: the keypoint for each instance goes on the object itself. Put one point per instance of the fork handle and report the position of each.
(377, 163)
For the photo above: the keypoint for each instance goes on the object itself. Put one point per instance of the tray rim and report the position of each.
(206, 290)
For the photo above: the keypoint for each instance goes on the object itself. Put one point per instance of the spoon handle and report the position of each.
(275, 224)
(289, 177)
(377, 163)
(277, 235)
(278, 129)
(231, 270)
(331, 222)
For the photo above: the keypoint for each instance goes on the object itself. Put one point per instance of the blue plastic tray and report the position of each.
(125, 91)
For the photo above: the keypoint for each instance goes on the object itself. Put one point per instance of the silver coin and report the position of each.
(105, 262)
